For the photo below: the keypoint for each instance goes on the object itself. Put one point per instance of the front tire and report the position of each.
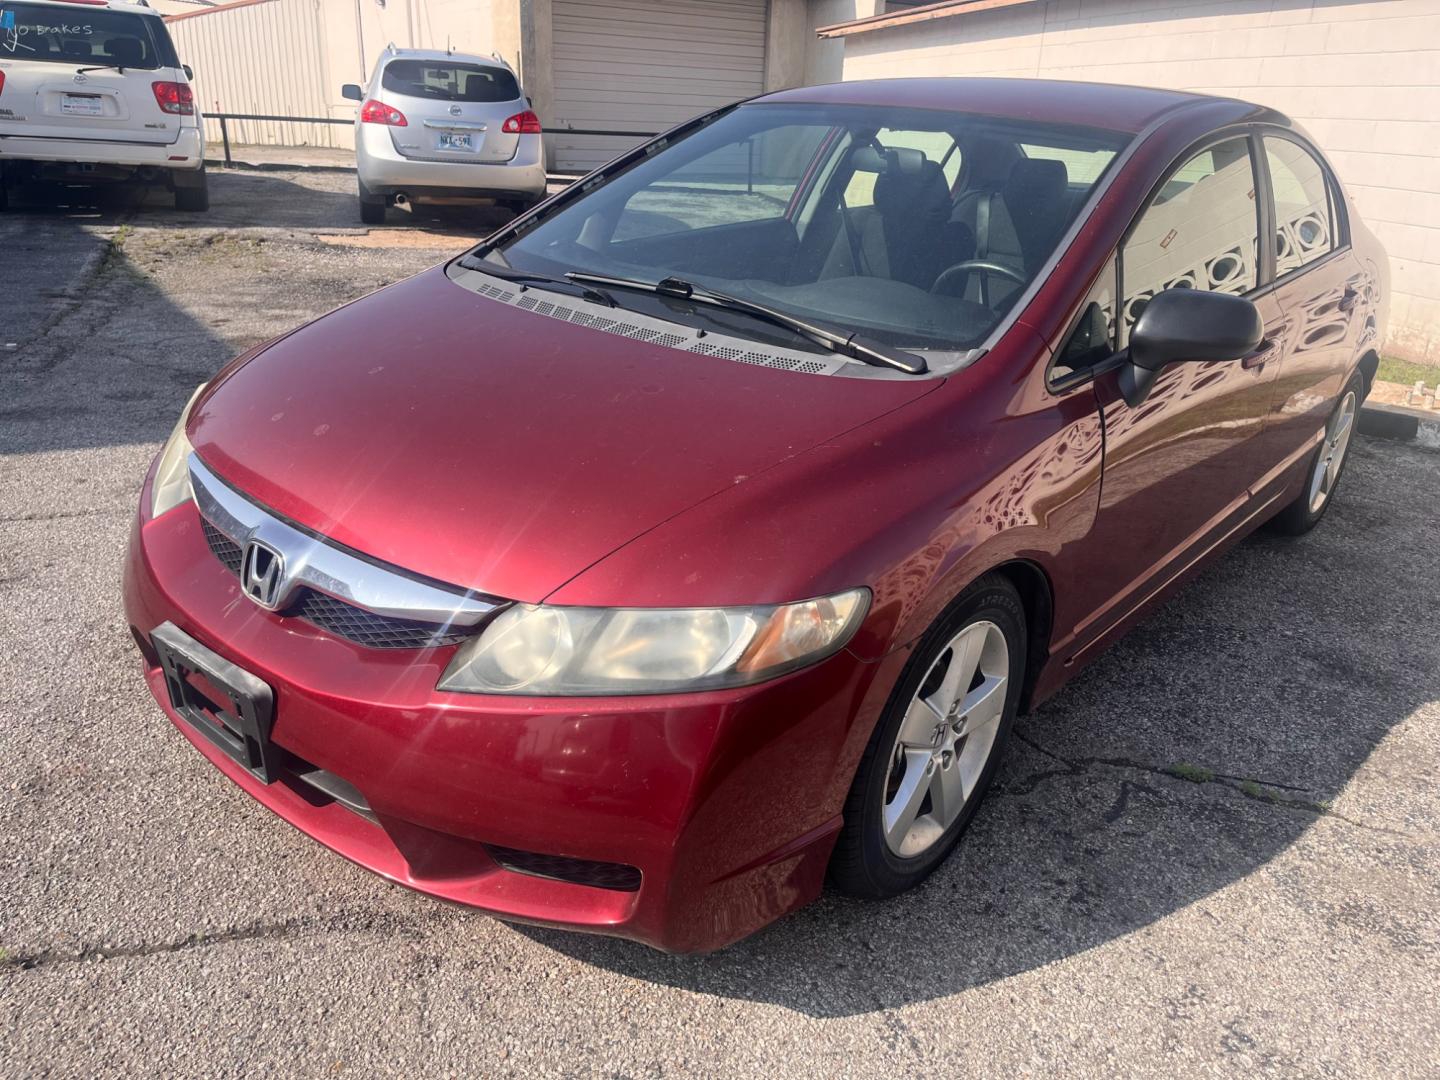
(934, 752)
(1327, 465)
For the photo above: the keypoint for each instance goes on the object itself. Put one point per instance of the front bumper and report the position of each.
(187, 152)
(385, 171)
(727, 803)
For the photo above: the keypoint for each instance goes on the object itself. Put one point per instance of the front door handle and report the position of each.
(1255, 360)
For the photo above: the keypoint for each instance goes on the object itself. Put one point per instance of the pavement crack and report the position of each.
(60, 515)
(1266, 792)
(254, 932)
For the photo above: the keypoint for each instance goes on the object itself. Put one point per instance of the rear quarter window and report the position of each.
(84, 37)
(441, 80)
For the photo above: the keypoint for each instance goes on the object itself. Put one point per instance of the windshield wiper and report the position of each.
(853, 344)
(526, 277)
(101, 67)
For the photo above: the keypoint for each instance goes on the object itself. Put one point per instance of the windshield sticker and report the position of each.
(10, 33)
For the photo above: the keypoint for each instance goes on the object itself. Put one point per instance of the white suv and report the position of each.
(440, 126)
(92, 91)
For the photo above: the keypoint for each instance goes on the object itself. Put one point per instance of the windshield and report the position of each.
(919, 228)
(445, 80)
(84, 37)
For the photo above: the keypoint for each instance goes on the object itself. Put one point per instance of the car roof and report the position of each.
(110, 5)
(393, 53)
(1102, 105)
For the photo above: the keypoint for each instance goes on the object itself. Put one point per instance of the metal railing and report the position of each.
(224, 119)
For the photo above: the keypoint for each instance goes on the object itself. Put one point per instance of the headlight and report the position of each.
(572, 652)
(172, 469)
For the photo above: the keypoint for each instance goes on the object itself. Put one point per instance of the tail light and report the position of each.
(2, 82)
(174, 97)
(375, 112)
(525, 123)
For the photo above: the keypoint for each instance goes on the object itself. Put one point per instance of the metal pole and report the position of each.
(225, 138)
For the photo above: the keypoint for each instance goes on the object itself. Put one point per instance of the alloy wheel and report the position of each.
(1332, 453)
(945, 739)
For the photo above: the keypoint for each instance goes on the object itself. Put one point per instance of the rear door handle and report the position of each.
(1349, 299)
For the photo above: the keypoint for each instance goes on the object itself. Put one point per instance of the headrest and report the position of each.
(75, 49)
(1035, 182)
(127, 52)
(920, 192)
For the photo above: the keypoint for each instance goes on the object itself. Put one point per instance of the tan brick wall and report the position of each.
(1362, 76)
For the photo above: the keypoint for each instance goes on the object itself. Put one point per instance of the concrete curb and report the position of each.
(1399, 424)
(275, 166)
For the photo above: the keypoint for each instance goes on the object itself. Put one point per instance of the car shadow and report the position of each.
(102, 350)
(1204, 746)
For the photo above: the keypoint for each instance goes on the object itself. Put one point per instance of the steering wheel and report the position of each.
(985, 267)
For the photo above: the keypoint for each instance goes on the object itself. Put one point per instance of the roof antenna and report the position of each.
(449, 48)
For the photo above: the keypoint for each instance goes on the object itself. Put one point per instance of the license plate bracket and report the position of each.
(455, 140)
(240, 724)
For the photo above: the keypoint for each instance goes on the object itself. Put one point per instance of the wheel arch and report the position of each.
(1369, 366)
(1037, 595)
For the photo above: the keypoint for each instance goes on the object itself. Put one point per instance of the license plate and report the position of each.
(450, 140)
(82, 105)
(230, 707)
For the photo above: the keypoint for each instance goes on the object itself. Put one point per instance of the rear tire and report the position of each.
(192, 192)
(372, 207)
(934, 752)
(1327, 465)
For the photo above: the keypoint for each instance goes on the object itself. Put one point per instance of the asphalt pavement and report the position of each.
(1217, 853)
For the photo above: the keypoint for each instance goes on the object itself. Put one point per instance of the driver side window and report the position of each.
(1201, 231)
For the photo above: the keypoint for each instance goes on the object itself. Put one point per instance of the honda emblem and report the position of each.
(262, 575)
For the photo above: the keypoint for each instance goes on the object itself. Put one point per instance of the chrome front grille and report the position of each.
(384, 608)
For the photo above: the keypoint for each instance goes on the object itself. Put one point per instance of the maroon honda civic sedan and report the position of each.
(697, 537)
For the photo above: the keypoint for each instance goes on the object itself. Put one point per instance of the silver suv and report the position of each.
(440, 126)
(94, 92)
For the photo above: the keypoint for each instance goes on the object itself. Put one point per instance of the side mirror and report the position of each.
(189, 72)
(351, 92)
(1180, 325)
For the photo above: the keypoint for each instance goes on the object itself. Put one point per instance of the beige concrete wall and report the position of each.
(1362, 76)
(290, 57)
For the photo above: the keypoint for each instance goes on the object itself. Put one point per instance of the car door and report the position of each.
(1180, 465)
(1313, 310)
(86, 74)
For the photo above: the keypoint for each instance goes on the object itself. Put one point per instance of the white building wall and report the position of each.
(1362, 76)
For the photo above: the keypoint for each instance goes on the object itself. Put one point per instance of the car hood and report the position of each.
(497, 449)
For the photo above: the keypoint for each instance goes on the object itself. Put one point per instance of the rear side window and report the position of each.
(1304, 220)
(1201, 231)
(442, 80)
(750, 180)
(84, 37)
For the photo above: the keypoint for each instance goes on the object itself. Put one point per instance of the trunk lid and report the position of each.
(498, 449)
(455, 109)
(77, 72)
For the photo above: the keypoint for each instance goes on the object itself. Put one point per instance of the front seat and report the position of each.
(902, 239)
(1018, 223)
